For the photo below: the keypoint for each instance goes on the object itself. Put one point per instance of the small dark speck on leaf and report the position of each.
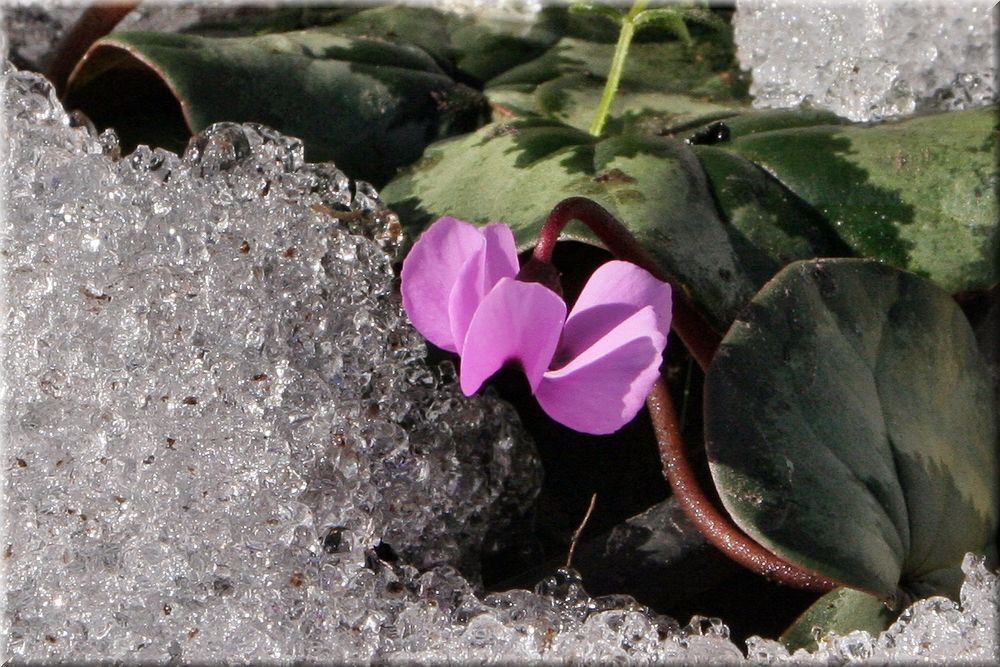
(260, 377)
(190, 400)
(296, 580)
(245, 247)
(291, 252)
(616, 175)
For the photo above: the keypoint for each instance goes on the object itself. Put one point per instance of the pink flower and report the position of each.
(590, 371)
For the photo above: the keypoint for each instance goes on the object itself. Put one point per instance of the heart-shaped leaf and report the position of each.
(368, 105)
(850, 427)
(516, 172)
(918, 193)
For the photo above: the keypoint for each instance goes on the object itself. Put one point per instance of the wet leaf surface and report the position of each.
(842, 610)
(918, 193)
(370, 106)
(850, 427)
(664, 83)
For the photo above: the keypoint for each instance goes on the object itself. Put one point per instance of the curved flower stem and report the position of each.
(617, 67)
(719, 529)
(698, 337)
(702, 342)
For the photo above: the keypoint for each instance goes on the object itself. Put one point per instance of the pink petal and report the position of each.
(478, 276)
(616, 291)
(515, 322)
(429, 274)
(500, 259)
(603, 388)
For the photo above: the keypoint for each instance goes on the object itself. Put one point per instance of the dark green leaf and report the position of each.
(667, 18)
(842, 610)
(770, 226)
(370, 106)
(745, 123)
(664, 82)
(610, 13)
(472, 48)
(918, 193)
(572, 98)
(850, 427)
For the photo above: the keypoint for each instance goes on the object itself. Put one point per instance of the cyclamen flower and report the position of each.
(590, 371)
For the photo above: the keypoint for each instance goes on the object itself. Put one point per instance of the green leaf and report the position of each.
(604, 11)
(479, 48)
(670, 19)
(664, 82)
(770, 226)
(850, 427)
(368, 105)
(572, 98)
(745, 123)
(918, 193)
(516, 172)
(842, 610)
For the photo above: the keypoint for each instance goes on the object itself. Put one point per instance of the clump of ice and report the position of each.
(868, 60)
(222, 443)
(935, 629)
(214, 406)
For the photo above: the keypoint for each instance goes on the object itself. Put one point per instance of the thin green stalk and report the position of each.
(617, 67)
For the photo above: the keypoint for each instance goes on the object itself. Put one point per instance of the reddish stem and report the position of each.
(702, 341)
(698, 337)
(718, 528)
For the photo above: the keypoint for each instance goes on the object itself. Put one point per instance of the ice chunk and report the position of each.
(933, 630)
(215, 408)
(868, 60)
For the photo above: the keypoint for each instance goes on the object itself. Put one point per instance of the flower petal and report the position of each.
(478, 276)
(515, 322)
(429, 274)
(603, 388)
(616, 291)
